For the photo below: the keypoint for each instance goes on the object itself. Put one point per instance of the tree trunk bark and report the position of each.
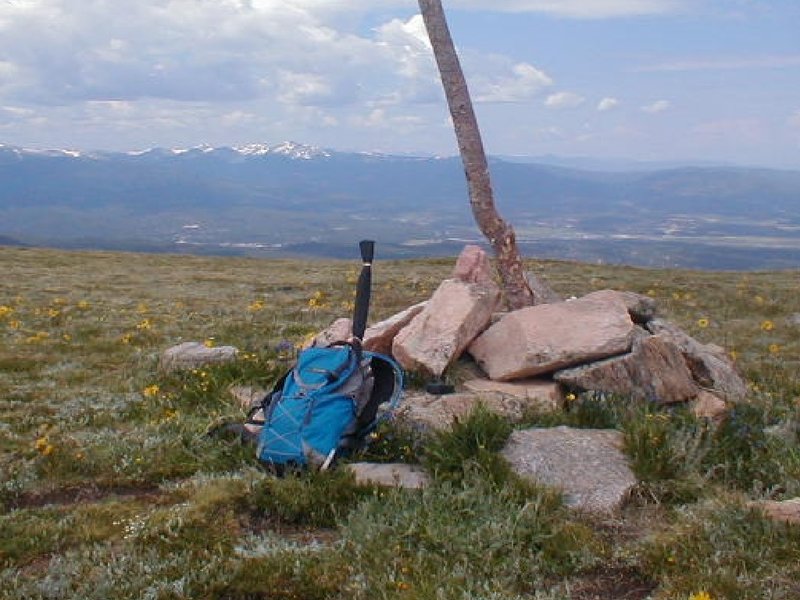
(499, 233)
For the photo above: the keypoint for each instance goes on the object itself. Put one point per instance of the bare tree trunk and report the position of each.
(499, 233)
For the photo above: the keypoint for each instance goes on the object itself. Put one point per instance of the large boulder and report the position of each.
(193, 355)
(711, 367)
(654, 370)
(587, 465)
(455, 314)
(379, 337)
(549, 337)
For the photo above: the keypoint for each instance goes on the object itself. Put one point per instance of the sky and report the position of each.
(648, 80)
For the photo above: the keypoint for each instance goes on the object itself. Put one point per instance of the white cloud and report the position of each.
(724, 64)
(564, 100)
(523, 83)
(607, 104)
(579, 9)
(656, 107)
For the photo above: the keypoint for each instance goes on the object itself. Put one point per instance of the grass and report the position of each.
(111, 487)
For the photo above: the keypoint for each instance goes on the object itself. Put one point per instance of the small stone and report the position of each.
(400, 475)
(193, 355)
(247, 396)
(709, 406)
(340, 330)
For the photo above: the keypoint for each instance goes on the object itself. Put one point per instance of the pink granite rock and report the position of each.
(455, 314)
(653, 370)
(711, 366)
(539, 393)
(548, 337)
(379, 337)
(340, 330)
(473, 266)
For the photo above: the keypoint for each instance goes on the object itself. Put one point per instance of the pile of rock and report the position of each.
(606, 341)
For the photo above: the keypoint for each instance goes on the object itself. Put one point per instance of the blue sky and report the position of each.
(654, 80)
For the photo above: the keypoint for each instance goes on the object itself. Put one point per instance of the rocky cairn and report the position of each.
(607, 341)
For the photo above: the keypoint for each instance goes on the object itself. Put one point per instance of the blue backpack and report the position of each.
(326, 406)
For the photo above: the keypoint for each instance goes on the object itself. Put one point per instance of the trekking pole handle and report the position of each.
(361, 309)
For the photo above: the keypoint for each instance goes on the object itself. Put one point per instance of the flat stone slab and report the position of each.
(191, 355)
(423, 411)
(587, 465)
(399, 475)
(548, 337)
(787, 511)
(541, 393)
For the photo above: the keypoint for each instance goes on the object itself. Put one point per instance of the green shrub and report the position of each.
(476, 439)
(728, 551)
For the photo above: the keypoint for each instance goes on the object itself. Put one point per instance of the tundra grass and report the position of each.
(110, 485)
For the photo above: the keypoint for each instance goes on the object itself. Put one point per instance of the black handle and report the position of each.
(363, 288)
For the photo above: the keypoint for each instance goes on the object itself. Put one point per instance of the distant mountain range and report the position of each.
(290, 199)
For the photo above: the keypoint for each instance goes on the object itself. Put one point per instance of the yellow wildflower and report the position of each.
(59, 301)
(144, 325)
(256, 305)
(5, 311)
(767, 325)
(53, 312)
(126, 339)
(41, 444)
(570, 397)
(39, 337)
(701, 595)
(84, 305)
(66, 337)
(48, 450)
(151, 390)
(15, 324)
(702, 323)
(651, 293)
(774, 349)
(209, 342)
(759, 300)
(318, 300)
